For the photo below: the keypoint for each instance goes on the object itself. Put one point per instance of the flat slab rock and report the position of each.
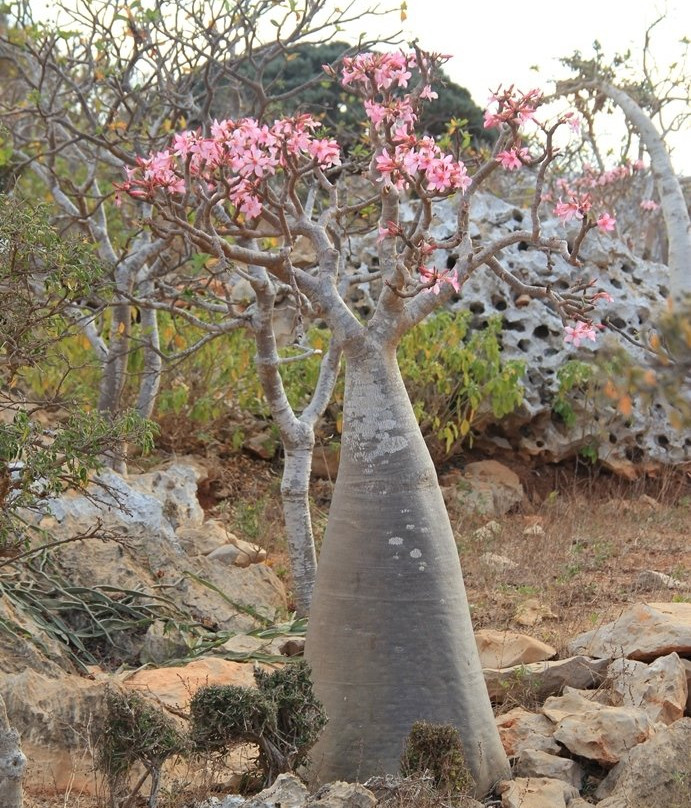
(536, 792)
(543, 679)
(644, 631)
(503, 649)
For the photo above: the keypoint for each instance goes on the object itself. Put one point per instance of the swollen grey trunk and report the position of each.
(390, 640)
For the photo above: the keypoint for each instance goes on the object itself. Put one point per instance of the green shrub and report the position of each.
(282, 717)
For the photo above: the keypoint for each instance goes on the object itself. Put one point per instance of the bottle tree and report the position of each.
(390, 639)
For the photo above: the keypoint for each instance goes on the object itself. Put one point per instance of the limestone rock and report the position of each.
(497, 563)
(342, 795)
(543, 679)
(287, 791)
(687, 667)
(489, 487)
(650, 579)
(660, 688)
(655, 773)
(536, 335)
(175, 686)
(162, 643)
(536, 792)
(596, 731)
(520, 729)
(175, 487)
(532, 612)
(54, 716)
(503, 649)
(535, 763)
(488, 531)
(237, 552)
(205, 538)
(644, 631)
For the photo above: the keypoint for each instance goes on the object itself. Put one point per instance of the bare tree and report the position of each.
(650, 103)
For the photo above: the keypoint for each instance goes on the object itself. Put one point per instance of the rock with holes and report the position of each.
(644, 631)
(534, 333)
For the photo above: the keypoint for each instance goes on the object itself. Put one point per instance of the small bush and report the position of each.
(436, 749)
(135, 731)
(282, 717)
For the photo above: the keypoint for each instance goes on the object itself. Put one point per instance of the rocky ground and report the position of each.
(548, 554)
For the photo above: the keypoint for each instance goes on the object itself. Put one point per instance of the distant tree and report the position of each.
(653, 106)
(299, 74)
(41, 273)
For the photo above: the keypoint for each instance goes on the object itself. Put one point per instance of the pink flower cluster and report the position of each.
(243, 153)
(512, 107)
(512, 159)
(579, 332)
(434, 279)
(422, 159)
(378, 71)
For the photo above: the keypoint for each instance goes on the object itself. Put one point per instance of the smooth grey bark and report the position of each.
(12, 763)
(390, 639)
(297, 437)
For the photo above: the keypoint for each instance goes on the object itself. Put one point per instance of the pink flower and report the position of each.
(326, 152)
(606, 222)
(428, 93)
(649, 204)
(576, 334)
(509, 160)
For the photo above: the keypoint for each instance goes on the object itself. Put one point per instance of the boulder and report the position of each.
(644, 631)
(238, 553)
(660, 688)
(536, 792)
(651, 579)
(542, 679)
(503, 649)
(535, 334)
(531, 612)
(55, 716)
(654, 774)
(596, 731)
(287, 791)
(205, 538)
(342, 795)
(520, 729)
(488, 487)
(535, 763)
(497, 563)
(174, 686)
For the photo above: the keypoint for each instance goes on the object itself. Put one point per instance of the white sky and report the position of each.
(498, 41)
(495, 42)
